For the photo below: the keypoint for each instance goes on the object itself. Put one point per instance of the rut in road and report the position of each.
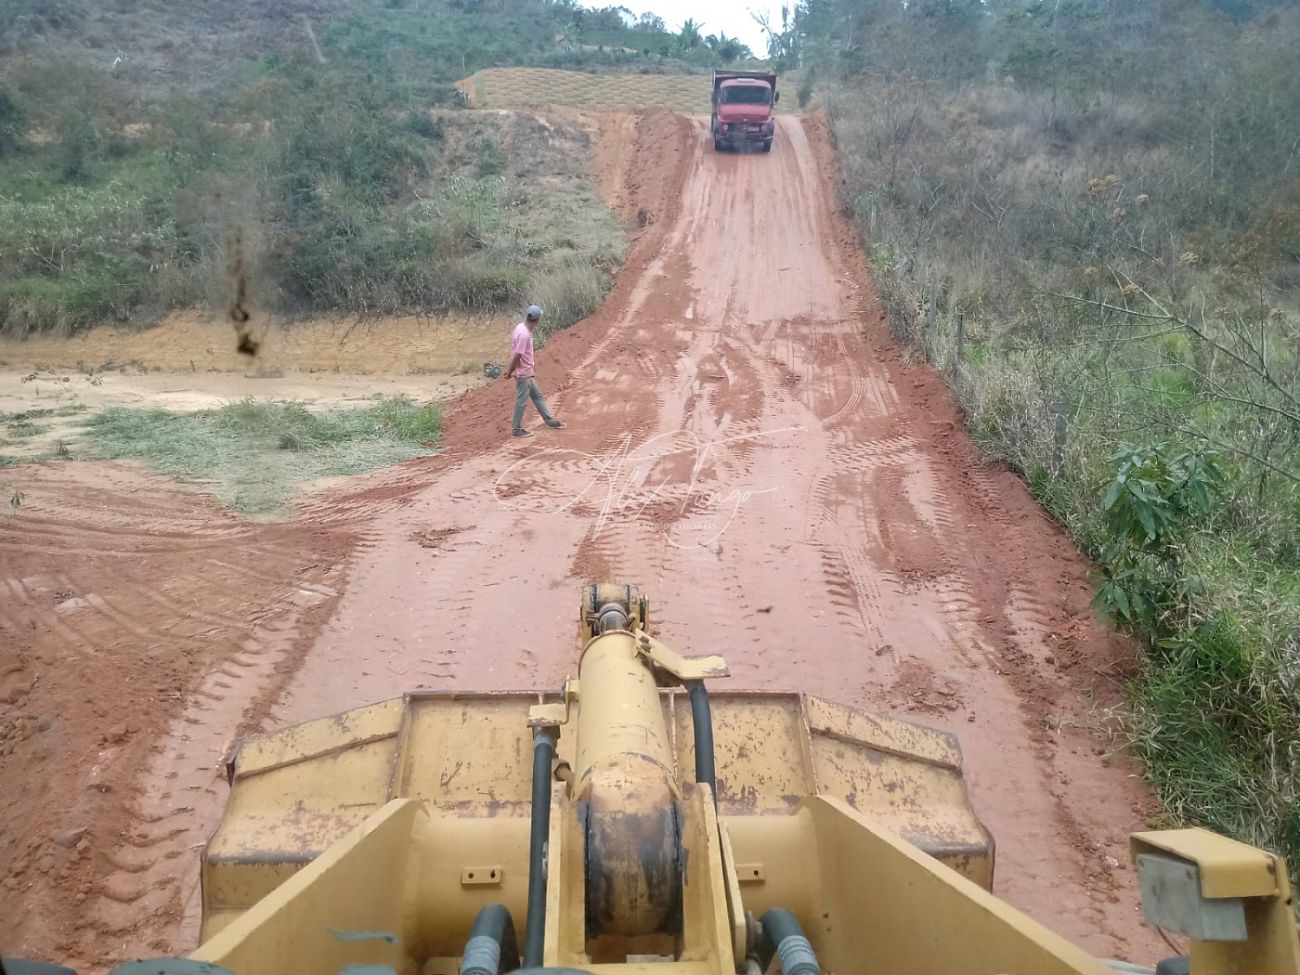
(744, 442)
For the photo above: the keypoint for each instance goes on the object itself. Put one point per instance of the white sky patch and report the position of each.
(731, 17)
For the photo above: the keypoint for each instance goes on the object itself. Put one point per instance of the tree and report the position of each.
(689, 37)
(79, 143)
(610, 18)
(13, 124)
(782, 45)
(727, 49)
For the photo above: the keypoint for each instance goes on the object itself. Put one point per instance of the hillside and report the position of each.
(306, 155)
(152, 47)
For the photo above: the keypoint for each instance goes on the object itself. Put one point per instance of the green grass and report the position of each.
(1037, 214)
(254, 456)
(1217, 719)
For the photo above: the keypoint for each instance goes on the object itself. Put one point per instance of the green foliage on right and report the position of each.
(1158, 494)
(13, 124)
(1105, 196)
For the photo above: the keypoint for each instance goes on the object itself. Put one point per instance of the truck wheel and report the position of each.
(767, 146)
(717, 144)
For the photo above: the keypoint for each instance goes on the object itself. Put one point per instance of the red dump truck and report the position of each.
(742, 109)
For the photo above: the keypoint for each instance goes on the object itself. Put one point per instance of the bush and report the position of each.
(13, 124)
(1120, 271)
(568, 295)
(1156, 496)
(78, 145)
(806, 86)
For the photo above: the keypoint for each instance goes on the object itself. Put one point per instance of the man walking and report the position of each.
(521, 367)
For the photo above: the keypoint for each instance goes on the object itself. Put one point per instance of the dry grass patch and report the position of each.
(522, 87)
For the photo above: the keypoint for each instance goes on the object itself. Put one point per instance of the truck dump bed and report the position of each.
(720, 76)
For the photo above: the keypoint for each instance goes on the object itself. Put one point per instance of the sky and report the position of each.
(731, 16)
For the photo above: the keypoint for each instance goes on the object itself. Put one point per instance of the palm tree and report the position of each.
(689, 36)
(727, 49)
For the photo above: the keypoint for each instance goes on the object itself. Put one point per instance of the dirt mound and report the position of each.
(643, 179)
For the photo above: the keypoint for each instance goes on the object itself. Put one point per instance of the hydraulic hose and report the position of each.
(18, 966)
(702, 719)
(535, 934)
(783, 934)
(492, 947)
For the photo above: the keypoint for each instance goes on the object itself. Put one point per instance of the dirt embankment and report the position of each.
(744, 441)
(188, 343)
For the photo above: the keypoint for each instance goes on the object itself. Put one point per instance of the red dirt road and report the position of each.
(746, 443)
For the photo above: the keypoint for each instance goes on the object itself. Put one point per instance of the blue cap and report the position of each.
(534, 312)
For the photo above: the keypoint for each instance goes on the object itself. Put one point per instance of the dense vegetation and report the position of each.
(1087, 214)
(157, 155)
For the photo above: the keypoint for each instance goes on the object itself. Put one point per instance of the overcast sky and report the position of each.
(729, 16)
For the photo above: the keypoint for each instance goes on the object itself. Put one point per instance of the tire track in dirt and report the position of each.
(150, 872)
(746, 442)
(124, 598)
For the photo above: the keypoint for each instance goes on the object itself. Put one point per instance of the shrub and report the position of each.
(1122, 273)
(1156, 495)
(13, 124)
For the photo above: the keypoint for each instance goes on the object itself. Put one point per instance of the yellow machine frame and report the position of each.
(376, 838)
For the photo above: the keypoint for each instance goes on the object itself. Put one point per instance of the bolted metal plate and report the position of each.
(1171, 899)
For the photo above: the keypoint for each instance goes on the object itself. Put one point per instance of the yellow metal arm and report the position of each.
(1232, 900)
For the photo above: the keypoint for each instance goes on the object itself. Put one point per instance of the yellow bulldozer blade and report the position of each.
(635, 822)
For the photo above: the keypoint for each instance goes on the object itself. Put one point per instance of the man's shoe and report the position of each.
(522, 433)
(555, 424)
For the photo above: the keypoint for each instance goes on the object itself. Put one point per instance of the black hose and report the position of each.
(493, 947)
(702, 718)
(782, 934)
(18, 966)
(535, 933)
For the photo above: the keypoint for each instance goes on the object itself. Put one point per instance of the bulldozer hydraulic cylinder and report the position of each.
(621, 713)
(628, 794)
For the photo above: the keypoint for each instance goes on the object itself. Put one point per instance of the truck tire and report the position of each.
(767, 146)
(717, 144)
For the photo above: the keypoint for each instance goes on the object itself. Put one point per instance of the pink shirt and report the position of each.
(521, 344)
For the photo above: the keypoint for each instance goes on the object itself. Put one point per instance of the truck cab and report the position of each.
(743, 102)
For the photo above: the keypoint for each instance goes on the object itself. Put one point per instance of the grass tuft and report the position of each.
(254, 455)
